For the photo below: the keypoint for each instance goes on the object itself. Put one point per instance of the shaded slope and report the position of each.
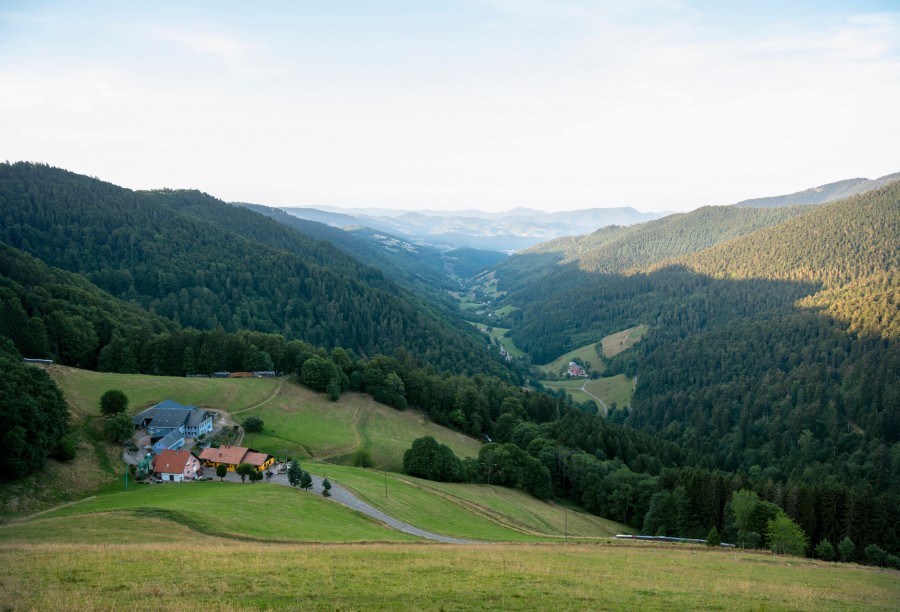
(202, 263)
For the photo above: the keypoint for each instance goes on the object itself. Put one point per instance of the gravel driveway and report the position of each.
(344, 497)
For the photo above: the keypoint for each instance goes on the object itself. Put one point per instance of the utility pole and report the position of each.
(567, 525)
(126, 477)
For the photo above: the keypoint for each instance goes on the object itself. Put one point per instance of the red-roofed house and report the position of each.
(176, 465)
(232, 456)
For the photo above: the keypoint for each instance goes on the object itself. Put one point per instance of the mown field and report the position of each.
(623, 340)
(245, 511)
(481, 512)
(587, 353)
(616, 389)
(208, 573)
(83, 389)
(309, 425)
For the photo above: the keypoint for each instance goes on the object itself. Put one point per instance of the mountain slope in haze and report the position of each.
(513, 230)
(618, 249)
(416, 267)
(203, 263)
(822, 194)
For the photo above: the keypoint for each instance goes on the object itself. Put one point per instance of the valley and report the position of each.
(638, 379)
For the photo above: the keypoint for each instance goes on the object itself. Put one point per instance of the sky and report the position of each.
(663, 105)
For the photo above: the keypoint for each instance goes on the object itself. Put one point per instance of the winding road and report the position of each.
(344, 497)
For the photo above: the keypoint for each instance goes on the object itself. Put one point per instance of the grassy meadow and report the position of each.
(618, 389)
(309, 425)
(623, 340)
(521, 511)
(83, 389)
(201, 573)
(258, 511)
(587, 353)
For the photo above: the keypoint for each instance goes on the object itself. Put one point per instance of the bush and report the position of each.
(113, 402)
(221, 471)
(875, 555)
(825, 551)
(253, 424)
(362, 458)
(118, 427)
(244, 470)
(786, 536)
(712, 538)
(846, 548)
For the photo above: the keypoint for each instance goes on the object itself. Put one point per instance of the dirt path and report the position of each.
(584, 388)
(359, 420)
(37, 514)
(268, 399)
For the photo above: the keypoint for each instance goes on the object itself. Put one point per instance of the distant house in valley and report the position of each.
(176, 465)
(232, 456)
(168, 423)
(575, 370)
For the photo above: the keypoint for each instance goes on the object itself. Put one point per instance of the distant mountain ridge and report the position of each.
(822, 194)
(513, 230)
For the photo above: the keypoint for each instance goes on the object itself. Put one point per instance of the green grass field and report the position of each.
(418, 506)
(618, 389)
(572, 387)
(229, 510)
(210, 574)
(309, 425)
(521, 511)
(587, 353)
(83, 389)
(614, 344)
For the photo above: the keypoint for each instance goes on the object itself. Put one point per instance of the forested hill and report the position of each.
(822, 194)
(48, 312)
(833, 244)
(418, 268)
(202, 263)
(618, 249)
(772, 359)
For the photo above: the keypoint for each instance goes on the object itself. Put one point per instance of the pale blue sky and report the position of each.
(491, 104)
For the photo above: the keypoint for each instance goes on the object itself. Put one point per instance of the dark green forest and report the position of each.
(201, 263)
(772, 362)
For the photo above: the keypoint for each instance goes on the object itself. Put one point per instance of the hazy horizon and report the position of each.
(491, 105)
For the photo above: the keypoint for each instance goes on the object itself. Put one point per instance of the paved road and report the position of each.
(344, 497)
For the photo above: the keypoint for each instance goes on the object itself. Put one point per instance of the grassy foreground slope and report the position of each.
(481, 512)
(243, 576)
(222, 509)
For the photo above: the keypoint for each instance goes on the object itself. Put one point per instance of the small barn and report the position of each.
(233, 456)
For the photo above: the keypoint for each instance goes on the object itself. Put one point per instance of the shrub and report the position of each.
(825, 551)
(253, 424)
(786, 536)
(712, 538)
(846, 548)
(118, 427)
(875, 555)
(113, 402)
(362, 458)
(221, 471)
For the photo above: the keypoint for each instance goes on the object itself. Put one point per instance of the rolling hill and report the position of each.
(199, 262)
(822, 194)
